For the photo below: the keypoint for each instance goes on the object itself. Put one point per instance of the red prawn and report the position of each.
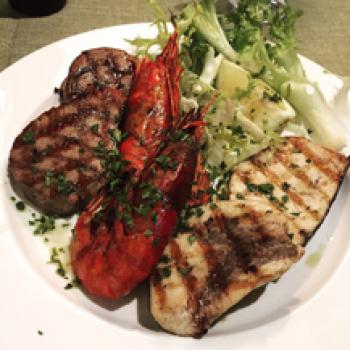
(112, 255)
(153, 106)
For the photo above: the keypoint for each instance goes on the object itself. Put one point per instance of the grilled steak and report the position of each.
(55, 163)
(230, 251)
(98, 68)
(278, 198)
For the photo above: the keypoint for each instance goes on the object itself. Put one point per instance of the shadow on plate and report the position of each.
(248, 300)
(112, 305)
(141, 294)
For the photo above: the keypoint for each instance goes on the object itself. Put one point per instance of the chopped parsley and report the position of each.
(272, 96)
(266, 188)
(94, 128)
(165, 162)
(155, 217)
(295, 213)
(164, 259)
(166, 272)
(55, 260)
(240, 196)
(148, 233)
(28, 137)
(63, 185)
(48, 178)
(143, 210)
(184, 270)
(20, 206)
(191, 239)
(43, 224)
(284, 199)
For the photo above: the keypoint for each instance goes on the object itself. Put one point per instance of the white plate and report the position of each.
(308, 308)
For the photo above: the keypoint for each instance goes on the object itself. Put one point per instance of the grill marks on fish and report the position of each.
(97, 68)
(230, 247)
(308, 174)
(64, 140)
(278, 198)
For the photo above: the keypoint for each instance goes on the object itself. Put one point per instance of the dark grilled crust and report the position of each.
(64, 144)
(97, 68)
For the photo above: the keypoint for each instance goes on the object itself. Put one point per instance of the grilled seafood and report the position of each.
(111, 256)
(229, 250)
(297, 177)
(153, 106)
(278, 198)
(113, 253)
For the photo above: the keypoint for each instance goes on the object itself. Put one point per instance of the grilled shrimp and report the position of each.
(120, 237)
(153, 106)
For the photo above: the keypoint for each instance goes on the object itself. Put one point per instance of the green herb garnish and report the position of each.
(28, 137)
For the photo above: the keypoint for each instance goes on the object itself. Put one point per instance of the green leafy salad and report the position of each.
(245, 55)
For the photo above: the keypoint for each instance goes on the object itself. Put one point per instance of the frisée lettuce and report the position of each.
(259, 35)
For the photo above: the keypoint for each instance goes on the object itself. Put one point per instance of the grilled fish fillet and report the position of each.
(230, 251)
(278, 199)
(304, 178)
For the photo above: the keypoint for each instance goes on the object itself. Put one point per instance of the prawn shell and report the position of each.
(114, 263)
(153, 104)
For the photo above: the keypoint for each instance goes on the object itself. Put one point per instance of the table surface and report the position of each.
(323, 32)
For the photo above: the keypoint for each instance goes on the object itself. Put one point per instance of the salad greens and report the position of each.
(259, 35)
(246, 56)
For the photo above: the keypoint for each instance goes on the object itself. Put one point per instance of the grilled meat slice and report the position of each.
(55, 162)
(299, 178)
(97, 68)
(279, 197)
(230, 251)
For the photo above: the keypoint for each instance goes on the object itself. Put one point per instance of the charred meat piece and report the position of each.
(56, 162)
(97, 68)
(229, 251)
